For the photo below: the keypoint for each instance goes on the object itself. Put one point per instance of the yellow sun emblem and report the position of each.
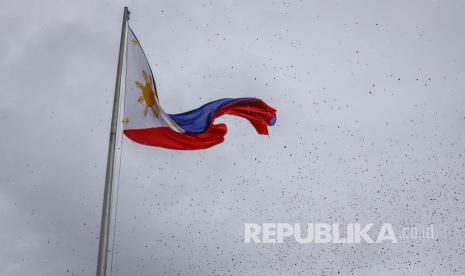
(148, 95)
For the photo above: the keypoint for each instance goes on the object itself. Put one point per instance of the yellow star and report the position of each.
(126, 120)
(135, 42)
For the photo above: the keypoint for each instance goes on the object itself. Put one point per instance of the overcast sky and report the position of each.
(371, 128)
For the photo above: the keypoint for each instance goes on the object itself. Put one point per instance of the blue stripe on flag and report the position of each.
(198, 120)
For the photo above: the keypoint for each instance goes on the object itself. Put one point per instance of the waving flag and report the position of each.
(146, 122)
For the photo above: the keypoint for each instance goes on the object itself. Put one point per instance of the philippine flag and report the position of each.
(146, 122)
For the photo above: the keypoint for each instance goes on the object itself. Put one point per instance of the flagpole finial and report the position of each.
(126, 12)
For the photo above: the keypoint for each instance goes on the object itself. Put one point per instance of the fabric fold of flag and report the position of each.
(200, 130)
(145, 121)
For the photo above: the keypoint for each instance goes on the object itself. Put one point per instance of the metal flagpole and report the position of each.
(106, 208)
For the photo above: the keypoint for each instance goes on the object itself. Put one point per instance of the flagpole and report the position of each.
(106, 208)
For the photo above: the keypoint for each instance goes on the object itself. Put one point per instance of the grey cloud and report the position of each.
(370, 128)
